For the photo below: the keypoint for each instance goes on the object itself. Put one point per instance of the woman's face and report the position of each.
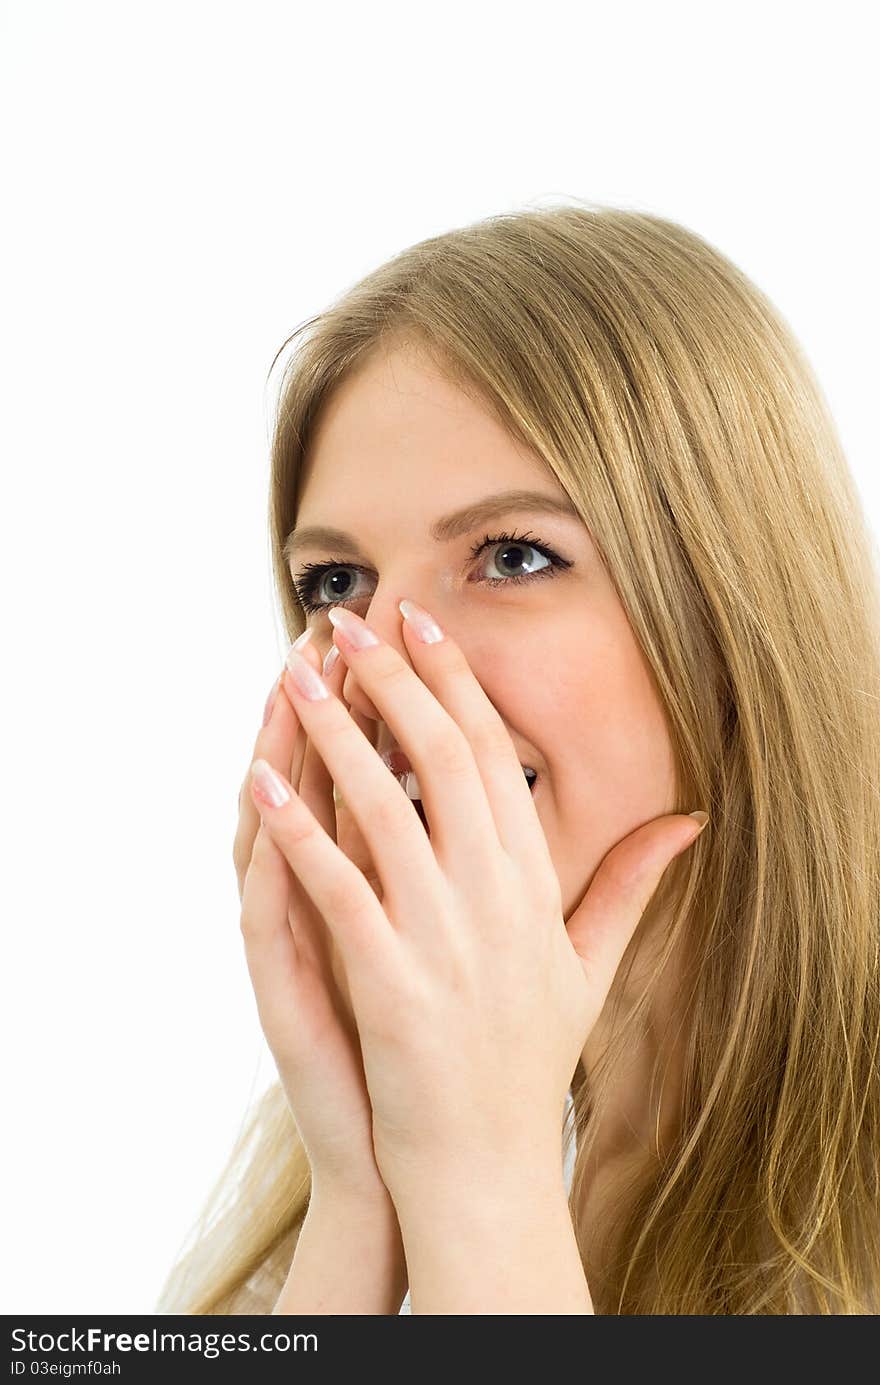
(397, 448)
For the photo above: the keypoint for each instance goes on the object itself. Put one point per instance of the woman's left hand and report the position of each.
(472, 995)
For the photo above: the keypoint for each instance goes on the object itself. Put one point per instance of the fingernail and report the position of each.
(270, 700)
(307, 681)
(268, 785)
(420, 622)
(330, 659)
(702, 819)
(355, 630)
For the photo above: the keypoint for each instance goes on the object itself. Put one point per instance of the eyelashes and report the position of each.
(310, 576)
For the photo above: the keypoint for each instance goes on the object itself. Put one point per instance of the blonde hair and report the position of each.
(674, 405)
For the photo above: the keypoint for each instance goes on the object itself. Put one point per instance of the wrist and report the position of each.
(464, 1162)
(507, 1247)
(484, 1188)
(331, 1200)
(349, 1257)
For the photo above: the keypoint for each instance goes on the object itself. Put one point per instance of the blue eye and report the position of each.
(513, 552)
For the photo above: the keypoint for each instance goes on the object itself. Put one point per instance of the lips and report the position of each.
(397, 762)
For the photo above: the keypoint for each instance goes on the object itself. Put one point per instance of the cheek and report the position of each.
(618, 774)
(590, 709)
(619, 748)
(593, 715)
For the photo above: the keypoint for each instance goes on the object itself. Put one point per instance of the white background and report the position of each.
(184, 183)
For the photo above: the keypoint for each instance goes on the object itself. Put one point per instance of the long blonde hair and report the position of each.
(674, 405)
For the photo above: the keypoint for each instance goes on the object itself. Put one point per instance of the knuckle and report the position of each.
(627, 879)
(620, 877)
(302, 833)
(391, 670)
(490, 741)
(447, 752)
(340, 897)
(387, 811)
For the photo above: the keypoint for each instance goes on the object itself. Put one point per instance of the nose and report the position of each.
(383, 616)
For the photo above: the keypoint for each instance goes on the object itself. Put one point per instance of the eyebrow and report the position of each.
(444, 530)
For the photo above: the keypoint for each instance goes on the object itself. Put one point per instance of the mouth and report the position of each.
(410, 785)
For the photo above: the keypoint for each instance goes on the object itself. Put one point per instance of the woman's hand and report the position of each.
(298, 982)
(473, 997)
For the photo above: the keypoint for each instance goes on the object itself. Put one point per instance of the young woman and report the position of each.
(562, 496)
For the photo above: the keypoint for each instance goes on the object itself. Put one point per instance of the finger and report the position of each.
(315, 782)
(335, 886)
(349, 837)
(397, 842)
(315, 788)
(279, 741)
(351, 840)
(601, 927)
(442, 668)
(277, 893)
(472, 785)
(320, 794)
(270, 946)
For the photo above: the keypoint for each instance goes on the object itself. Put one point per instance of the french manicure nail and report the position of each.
(307, 680)
(269, 787)
(357, 632)
(424, 625)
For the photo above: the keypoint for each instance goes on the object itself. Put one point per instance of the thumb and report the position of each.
(621, 889)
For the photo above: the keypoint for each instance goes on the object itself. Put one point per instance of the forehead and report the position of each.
(398, 430)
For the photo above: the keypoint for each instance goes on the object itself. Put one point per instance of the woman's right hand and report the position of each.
(298, 979)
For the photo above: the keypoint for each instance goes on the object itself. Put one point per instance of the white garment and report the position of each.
(569, 1150)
